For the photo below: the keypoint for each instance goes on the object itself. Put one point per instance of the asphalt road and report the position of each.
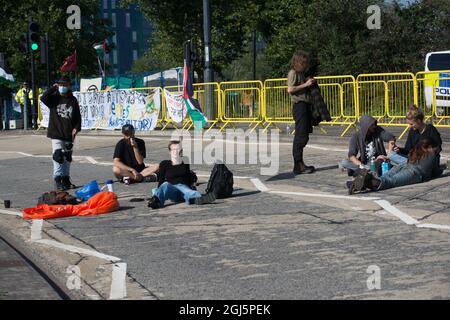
(255, 245)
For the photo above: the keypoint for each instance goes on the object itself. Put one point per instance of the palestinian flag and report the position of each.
(6, 77)
(192, 105)
(100, 47)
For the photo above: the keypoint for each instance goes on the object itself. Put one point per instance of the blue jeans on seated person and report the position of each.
(396, 158)
(401, 175)
(176, 192)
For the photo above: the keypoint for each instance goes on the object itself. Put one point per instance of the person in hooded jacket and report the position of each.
(63, 126)
(367, 144)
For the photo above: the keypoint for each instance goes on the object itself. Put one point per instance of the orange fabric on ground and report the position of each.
(102, 202)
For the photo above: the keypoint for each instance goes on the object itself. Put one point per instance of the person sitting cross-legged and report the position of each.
(175, 182)
(420, 166)
(129, 154)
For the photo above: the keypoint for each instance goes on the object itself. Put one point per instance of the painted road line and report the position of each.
(433, 226)
(36, 229)
(396, 212)
(119, 281)
(91, 160)
(208, 175)
(74, 249)
(312, 146)
(319, 195)
(10, 212)
(259, 185)
(25, 154)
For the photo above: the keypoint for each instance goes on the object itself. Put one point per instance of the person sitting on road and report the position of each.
(368, 143)
(129, 155)
(419, 130)
(419, 168)
(175, 181)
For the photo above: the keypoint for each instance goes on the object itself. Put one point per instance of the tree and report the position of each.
(52, 17)
(178, 21)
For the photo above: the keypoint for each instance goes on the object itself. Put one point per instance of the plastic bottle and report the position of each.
(373, 165)
(384, 167)
(109, 184)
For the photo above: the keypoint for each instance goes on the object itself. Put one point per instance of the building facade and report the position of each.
(131, 34)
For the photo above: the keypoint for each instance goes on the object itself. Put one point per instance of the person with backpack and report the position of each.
(175, 182)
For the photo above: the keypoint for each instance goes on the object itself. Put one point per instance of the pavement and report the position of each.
(278, 237)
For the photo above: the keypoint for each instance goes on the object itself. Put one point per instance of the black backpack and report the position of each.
(220, 182)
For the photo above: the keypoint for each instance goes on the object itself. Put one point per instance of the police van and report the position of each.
(435, 61)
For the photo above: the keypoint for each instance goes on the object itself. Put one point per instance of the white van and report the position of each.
(435, 61)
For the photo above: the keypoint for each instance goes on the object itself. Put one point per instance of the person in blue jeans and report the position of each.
(175, 182)
(421, 166)
(419, 130)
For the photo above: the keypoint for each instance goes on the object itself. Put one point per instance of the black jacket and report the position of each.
(64, 114)
(358, 142)
(319, 108)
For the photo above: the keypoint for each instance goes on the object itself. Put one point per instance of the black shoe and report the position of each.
(154, 203)
(59, 184)
(151, 178)
(300, 168)
(350, 187)
(205, 199)
(67, 184)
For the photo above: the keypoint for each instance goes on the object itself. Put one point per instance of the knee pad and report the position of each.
(68, 155)
(58, 156)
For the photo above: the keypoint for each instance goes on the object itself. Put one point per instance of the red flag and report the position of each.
(70, 63)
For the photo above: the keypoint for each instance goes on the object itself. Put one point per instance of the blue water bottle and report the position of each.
(384, 167)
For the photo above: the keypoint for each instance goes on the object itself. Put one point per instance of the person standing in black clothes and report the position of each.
(64, 124)
(298, 88)
(175, 181)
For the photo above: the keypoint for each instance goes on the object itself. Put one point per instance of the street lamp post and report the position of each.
(208, 72)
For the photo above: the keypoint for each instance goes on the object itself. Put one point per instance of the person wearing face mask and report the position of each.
(63, 126)
(129, 155)
(175, 181)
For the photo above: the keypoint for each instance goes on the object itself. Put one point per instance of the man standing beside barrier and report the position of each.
(298, 88)
(63, 126)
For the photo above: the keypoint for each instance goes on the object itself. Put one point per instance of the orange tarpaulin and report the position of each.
(102, 202)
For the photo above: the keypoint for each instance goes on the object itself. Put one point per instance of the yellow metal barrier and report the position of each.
(433, 96)
(242, 102)
(337, 91)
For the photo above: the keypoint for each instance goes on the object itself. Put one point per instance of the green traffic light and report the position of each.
(34, 46)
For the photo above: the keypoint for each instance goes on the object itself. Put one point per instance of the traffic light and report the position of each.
(33, 36)
(24, 43)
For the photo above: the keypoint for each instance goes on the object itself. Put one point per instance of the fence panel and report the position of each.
(242, 102)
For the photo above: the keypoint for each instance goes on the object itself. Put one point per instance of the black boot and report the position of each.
(300, 167)
(204, 199)
(154, 203)
(58, 183)
(67, 184)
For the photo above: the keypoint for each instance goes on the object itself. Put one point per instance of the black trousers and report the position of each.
(302, 116)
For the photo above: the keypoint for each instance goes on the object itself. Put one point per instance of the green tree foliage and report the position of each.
(334, 32)
(52, 17)
(178, 21)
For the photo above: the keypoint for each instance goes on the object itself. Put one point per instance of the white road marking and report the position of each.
(433, 226)
(36, 229)
(396, 212)
(91, 160)
(237, 177)
(259, 185)
(74, 249)
(10, 212)
(25, 154)
(319, 195)
(118, 282)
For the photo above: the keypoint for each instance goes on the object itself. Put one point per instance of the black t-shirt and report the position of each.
(414, 136)
(124, 151)
(180, 173)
